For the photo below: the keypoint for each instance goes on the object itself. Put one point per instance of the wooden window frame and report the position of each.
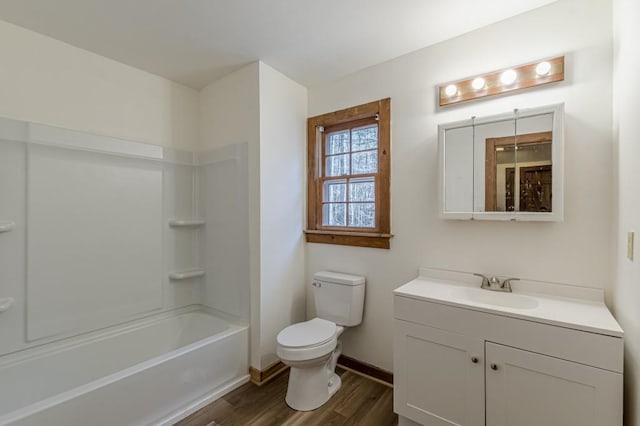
(358, 116)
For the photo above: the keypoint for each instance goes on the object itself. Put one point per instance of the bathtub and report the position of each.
(149, 372)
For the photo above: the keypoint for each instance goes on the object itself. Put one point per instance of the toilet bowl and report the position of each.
(311, 350)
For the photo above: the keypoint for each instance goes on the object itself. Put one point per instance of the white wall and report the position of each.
(47, 81)
(576, 251)
(283, 113)
(229, 109)
(626, 106)
(230, 114)
(259, 106)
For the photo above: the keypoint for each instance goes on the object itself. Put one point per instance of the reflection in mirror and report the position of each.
(490, 190)
(518, 172)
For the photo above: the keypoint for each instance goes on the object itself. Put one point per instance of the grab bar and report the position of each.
(6, 303)
(6, 226)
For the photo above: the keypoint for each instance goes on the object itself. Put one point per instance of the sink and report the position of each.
(488, 297)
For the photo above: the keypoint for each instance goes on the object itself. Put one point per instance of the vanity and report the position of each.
(544, 354)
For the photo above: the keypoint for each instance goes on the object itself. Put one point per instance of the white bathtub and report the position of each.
(153, 371)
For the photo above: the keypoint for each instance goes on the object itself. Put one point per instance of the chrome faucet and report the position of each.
(494, 283)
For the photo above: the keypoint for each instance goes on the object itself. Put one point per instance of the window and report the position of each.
(349, 158)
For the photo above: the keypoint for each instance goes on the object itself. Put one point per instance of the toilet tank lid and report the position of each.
(339, 278)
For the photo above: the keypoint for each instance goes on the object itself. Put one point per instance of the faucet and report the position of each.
(494, 283)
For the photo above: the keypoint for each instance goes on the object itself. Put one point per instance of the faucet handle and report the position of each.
(506, 284)
(485, 280)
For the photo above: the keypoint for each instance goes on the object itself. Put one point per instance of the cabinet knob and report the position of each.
(474, 359)
(494, 366)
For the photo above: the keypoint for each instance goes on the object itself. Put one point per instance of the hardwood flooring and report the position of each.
(360, 401)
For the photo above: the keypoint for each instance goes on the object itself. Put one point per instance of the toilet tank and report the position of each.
(339, 297)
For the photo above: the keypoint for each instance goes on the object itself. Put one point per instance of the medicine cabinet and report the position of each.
(503, 167)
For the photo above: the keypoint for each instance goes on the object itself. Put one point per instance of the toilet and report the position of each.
(311, 348)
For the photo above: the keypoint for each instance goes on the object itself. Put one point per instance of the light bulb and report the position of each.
(508, 77)
(478, 83)
(451, 90)
(543, 68)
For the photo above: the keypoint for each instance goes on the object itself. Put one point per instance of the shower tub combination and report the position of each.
(151, 371)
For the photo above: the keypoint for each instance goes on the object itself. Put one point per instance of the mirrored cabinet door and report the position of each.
(533, 174)
(458, 169)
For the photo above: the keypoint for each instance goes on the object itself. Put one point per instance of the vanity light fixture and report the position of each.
(501, 81)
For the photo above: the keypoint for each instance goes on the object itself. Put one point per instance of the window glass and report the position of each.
(362, 215)
(335, 190)
(338, 165)
(364, 138)
(364, 162)
(338, 142)
(334, 214)
(362, 189)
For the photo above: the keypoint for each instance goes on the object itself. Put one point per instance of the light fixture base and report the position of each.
(502, 81)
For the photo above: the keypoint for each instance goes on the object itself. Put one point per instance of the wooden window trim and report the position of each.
(360, 115)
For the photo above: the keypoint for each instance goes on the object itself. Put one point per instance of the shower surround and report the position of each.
(118, 250)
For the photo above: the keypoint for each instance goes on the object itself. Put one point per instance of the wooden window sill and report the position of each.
(347, 238)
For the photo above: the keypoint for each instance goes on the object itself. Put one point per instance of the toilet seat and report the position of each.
(307, 340)
(308, 333)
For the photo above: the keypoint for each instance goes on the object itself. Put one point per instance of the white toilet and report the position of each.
(311, 348)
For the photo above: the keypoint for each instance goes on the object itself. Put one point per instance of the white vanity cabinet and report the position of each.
(461, 362)
(439, 376)
(532, 389)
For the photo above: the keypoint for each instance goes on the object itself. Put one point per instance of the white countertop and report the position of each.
(579, 314)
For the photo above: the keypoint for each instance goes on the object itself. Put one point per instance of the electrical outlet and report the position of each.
(630, 245)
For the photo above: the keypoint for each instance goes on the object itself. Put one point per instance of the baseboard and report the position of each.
(260, 377)
(368, 370)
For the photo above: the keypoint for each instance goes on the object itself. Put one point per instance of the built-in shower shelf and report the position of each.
(6, 226)
(185, 275)
(178, 223)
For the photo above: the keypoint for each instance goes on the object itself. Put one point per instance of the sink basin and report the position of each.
(488, 297)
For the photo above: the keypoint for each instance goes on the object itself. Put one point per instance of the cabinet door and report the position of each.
(529, 389)
(438, 375)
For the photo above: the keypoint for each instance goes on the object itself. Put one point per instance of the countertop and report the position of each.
(579, 314)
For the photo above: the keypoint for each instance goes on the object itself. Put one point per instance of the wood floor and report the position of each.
(359, 401)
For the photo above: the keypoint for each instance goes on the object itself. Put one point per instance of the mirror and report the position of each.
(459, 169)
(503, 167)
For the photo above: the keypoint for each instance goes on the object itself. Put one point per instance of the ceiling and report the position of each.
(312, 41)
